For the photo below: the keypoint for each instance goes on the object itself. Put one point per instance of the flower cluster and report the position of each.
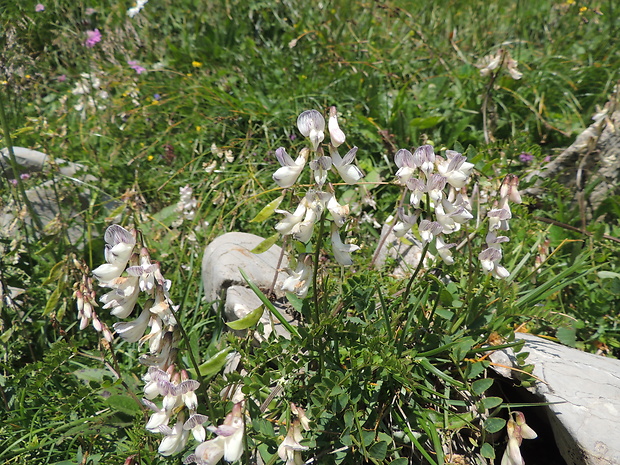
(128, 273)
(187, 203)
(438, 196)
(85, 298)
(518, 430)
(500, 59)
(290, 449)
(317, 200)
(228, 443)
(498, 221)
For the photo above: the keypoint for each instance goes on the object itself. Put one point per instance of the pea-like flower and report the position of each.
(424, 158)
(406, 166)
(342, 251)
(348, 171)
(517, 430)
(298, 281)
(287, 175)
(118, 250)
(290, 449)
(455, 168)
(336, 135)
(311, 124)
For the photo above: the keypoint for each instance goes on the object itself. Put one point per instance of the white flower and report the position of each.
(159, 417)
(118, 249)
(208, 453)
(298, 281)
(434, 187)
(321, 166)
(509, 189)
(498, 218)
(287, 175)
(443, 250)
(286, 225)
(232, 432)
(424, 158)
(406, 222)
(194, 424)
(489, 260)
(175, 439)
(342, 252)
(339, 212)
(517, 430)
(123, 298)
(132, 331)
(133, 11)
(336, 135)
(312, 124)
(455, 168)
(418, 189)
(429, 229)
(290, 449)
(406, 167)
(348, 171)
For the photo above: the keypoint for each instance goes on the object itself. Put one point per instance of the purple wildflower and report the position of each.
(526, 157)
(156, 97)
(61, 78)
(24, 176)
(92, 38)
(292, 137)
(136, 67)
(40, 7)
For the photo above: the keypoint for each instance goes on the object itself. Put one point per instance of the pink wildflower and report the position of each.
(136, 67)
(92, 38)
(40, 7)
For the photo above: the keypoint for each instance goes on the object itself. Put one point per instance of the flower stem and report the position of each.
(315, 271)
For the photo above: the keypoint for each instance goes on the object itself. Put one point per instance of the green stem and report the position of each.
(415, 273)
(15, 167)
(315, 271)
(196, 366)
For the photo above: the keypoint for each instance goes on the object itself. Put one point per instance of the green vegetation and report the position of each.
(202, 94)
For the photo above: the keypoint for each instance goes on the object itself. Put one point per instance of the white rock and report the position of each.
(584, 395)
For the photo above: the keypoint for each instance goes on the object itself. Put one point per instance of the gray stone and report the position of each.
(233, 251)
(48, 198)
(584, 395)
(32, 161)
(222, 260)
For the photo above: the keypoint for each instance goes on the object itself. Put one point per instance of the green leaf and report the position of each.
(493, 425)
(266, 244)
(267, 210)
(55, 273)
(400, 461)
(487, 451)
(478, 387)
(214, 364)
(124, 404)
(378, 451)
(491, 402)
(567, 336)
(247, 321)
(53, 300)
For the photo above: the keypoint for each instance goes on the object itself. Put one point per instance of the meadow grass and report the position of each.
(202, 93)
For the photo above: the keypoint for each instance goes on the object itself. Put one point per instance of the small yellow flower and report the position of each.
(154, 102)
(583, 9)
(198, 128)
(196, 64)
(4, 83)
(27, 76)
(189, 74)
(150, 158)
